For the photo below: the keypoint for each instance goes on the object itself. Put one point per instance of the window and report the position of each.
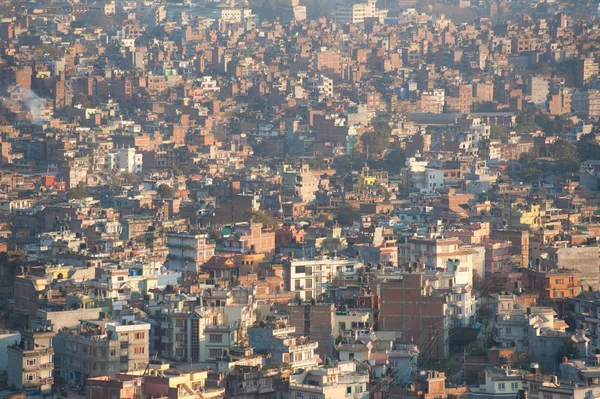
(358, 389)
(139, 335)
(514, 386)
(123, 359)
(139, 350)
(299, 395)
(348, 389)
(124, 345)
(30, 377)
(31, 362)
(308, 283)
(113, 352)
(508, 331)
(215, 352)
(501, 387)
(215, 338)
(559, 281)
(180, 323)
(180, 337)
(300, 269)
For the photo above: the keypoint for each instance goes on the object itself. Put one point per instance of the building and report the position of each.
(125, 160)
(538, 87)
(411, 306)
(357, 12)
(301, 182)
(188, 251)
(280, 341)
(587, 69)
(500, 383)
(250, 238)
(309, 278)
(97, 348)
(31, 363)
(316, 321)
(332, 381)
(555, 284)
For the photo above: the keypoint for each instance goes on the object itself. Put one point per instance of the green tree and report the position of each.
(78, 192)
(498, 132)
(81, 98)
(376, 141)
(265, 218)
(477, 280)
(165, 191)
(395, 160)
(526, 123)
(565, 154)
(588, 149)
(346, 215)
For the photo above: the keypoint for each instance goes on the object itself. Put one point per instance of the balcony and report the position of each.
(305, 362)
(297, 348)
(166, 340)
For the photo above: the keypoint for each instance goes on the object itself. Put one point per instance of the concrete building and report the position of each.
(316, 321)
(357, 13)
(7, 338)
(188, 251)
(587, 69)
(538, 87)
(125, 159)
(98, 348)
(284, 347)
(309, 278)
(31, 363)
(301, 182)
(499, 384)
(343, 380)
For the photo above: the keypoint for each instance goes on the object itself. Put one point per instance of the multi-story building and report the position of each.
(555, 284)
(316, 321)
(332, 381)
(125, 159)
(97, 348)
(250, 238)
(284, 347)
(31, 363)
(587, 69)
(500, 383)
(197, 336)
(188, 251)
(301, 182)
(538, 90)
(308, 278)
(411, 306)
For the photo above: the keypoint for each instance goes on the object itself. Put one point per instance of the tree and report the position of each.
(588, 149)
(477, 280)
(266, 219)
(165, 191)
(346, 215)
(565, 154)
(526, 123)
(81, 98)
(78, 192)
(376, 141)
(395, 160)
(498, 132)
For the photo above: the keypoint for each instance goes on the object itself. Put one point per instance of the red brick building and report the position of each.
(410, 307)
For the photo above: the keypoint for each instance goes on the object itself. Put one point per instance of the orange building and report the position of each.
(555, 284)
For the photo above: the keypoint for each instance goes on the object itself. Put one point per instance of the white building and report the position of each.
(356, 13)
(309, 278)
(126, 160)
